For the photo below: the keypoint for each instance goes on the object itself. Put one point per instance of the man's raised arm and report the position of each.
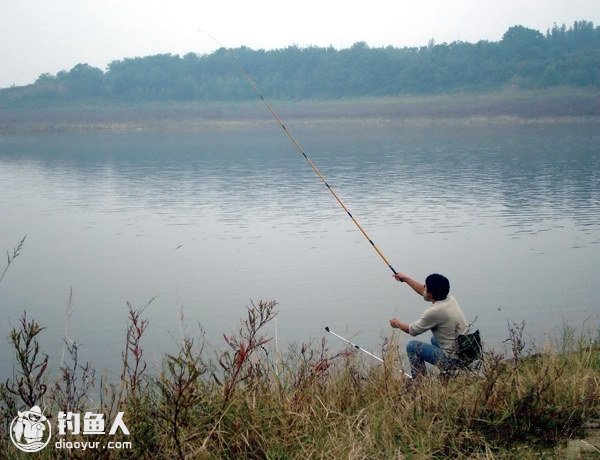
(417, 286)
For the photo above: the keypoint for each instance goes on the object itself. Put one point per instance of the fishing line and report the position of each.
(301, 150)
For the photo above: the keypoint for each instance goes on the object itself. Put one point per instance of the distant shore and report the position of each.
(507, 106)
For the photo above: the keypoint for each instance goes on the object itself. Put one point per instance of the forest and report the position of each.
(523, 58)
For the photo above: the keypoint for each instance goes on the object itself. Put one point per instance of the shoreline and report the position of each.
(504, 107)
(203, 124)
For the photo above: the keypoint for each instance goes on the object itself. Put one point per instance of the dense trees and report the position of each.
(523, 58)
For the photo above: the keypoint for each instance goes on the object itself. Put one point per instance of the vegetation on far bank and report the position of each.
(250, 400)
(524, 58)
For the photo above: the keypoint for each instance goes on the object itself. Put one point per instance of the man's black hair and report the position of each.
(438, 286)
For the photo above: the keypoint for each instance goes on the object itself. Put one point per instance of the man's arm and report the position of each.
(417, 286)
(397, 324)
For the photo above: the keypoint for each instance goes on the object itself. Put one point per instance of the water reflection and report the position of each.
(530, 173)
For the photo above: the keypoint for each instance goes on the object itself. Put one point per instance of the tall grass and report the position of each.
(250, 400)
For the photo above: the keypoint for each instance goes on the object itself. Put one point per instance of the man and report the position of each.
(443, 318)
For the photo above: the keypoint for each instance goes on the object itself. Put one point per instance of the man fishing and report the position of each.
(444, 318)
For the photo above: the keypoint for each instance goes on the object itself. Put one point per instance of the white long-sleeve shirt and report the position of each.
(445, 320)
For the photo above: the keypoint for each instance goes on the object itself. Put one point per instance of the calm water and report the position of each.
(209, 221)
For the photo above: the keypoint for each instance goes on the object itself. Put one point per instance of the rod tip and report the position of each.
(327, 328)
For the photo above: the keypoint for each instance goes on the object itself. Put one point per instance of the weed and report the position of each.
(11, 258)
(72, 387)
(29, 382)
(237, 363)
(133, 364)
(250, 401)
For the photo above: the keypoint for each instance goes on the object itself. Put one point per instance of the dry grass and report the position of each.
(246, 402)
(250, 401)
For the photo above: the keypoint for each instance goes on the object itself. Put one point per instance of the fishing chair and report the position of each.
(469, 354)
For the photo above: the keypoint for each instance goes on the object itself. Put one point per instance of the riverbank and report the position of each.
(251, 400)
(508, 106)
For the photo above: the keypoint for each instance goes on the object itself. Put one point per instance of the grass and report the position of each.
(250, 400)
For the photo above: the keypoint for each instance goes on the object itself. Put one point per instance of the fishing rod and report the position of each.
(361, 349)
(318, 172)
(310, 162)
(354, 345)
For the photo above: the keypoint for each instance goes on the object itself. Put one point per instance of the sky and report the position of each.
(47, 36)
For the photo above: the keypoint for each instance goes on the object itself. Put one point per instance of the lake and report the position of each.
(206, 221)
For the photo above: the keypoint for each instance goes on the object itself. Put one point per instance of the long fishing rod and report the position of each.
(354, 345)
(361, 349)
(310, 162)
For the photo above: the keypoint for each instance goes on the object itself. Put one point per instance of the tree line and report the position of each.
(524, 58)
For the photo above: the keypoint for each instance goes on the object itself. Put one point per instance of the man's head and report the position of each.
(438, 286)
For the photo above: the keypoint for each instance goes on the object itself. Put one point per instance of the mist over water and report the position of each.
(206, 222)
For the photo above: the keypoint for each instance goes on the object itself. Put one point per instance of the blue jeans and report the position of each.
(420, 353)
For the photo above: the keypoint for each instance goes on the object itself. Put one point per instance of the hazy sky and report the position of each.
(39, 36)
